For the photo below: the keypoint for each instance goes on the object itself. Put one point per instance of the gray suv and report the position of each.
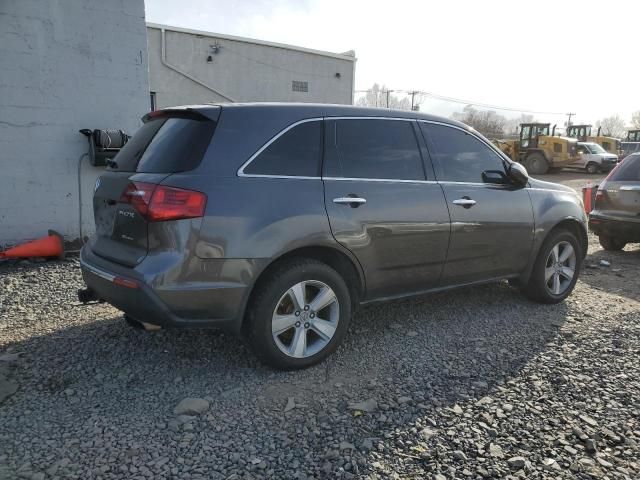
(275, 221)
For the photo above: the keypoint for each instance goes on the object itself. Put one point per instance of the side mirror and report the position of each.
(495, 177)
(518, 174)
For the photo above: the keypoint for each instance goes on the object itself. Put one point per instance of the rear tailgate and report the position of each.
(169, 142)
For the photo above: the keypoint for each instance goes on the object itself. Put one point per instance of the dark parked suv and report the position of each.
(275, 221)
(616, 216)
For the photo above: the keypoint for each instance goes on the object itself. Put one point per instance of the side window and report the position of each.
(373, 148)
(295, 153)
(459, 156)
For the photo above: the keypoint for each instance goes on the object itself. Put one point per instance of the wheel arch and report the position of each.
(572, 224)
(342, 262)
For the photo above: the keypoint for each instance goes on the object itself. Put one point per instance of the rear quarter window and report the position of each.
(166, 145)
(295, 153)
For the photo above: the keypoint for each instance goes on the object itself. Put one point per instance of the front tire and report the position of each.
(592, 168)
(537, 164)
(299, 314)
(556, 269)
(611, 244)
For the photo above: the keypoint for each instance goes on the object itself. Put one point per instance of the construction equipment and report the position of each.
(633, 136)
(539, 151)
(631, 144)
(583, 134)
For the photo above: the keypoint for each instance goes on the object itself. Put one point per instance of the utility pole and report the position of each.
(413, 94)
(569, 120)
(388, 92)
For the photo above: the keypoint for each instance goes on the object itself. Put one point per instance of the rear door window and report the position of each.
(374, 148)
(295, 153)
(166, 145)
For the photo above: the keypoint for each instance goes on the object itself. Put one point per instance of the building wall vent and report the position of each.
(299, 86)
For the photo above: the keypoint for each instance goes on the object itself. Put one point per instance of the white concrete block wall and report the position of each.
(64, 65)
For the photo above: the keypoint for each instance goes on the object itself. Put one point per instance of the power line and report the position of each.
(468, 102)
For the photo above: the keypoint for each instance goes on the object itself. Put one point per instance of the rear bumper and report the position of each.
(602, 225)
(171, 298)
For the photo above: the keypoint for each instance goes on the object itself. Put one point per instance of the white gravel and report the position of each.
(475, 383)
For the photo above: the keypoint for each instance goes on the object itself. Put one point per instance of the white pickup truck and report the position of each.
(594, 158)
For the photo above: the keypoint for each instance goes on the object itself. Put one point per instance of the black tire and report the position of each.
(537, 164)
(536, 288)
(611, 244)
(269, 293)
(592, 168)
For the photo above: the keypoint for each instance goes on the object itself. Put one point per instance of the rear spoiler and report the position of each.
(194, 113)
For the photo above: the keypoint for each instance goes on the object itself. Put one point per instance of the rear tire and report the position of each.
(537, 164)
(611, 244)
(592, 168)
(549, 281)
(284, 328)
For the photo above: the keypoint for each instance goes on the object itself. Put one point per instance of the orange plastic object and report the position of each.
(49, 246)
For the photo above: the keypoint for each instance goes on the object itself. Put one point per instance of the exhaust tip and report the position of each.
(149, 327)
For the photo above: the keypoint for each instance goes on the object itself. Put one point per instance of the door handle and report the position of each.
(466, 202)
(353, 201)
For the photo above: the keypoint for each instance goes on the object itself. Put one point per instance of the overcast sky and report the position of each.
(543, 55)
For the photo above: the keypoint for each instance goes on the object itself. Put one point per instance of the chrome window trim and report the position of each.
(469, 130)
(389, 180)
(475, 184)
(240, 171)
(402, 119)
(259, 175)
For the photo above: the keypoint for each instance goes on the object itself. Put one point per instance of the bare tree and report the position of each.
(635, 119)
(512, 124)
(487, 122)
(381, 96)
(612, 126)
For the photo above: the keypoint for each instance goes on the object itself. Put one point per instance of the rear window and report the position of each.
(166, 145)
(628, 170)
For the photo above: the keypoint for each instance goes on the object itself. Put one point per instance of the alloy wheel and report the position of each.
(305, 319)
(560, 268)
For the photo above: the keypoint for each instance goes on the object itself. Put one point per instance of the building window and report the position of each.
(152, 96)
(299, 86)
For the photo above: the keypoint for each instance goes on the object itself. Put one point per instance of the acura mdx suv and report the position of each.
(275, 221)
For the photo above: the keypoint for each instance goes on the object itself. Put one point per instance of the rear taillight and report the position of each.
(159, 203)
(138, 194)
(170, 203)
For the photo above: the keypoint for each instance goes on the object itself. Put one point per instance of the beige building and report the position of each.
(191, 66)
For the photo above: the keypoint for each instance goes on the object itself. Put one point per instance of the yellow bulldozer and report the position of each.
(583, 134)
(631, 144)
(540, 151)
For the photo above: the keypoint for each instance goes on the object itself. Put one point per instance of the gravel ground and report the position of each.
(473, 383)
